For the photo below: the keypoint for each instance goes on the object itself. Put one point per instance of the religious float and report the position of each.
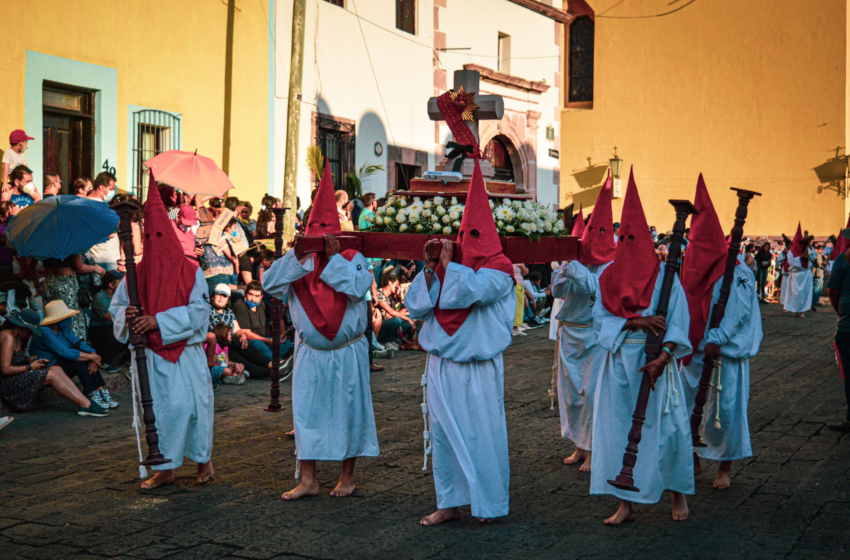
(433, 207)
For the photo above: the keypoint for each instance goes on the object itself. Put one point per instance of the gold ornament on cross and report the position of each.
(465, 102)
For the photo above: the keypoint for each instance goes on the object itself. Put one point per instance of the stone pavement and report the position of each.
(69, 485)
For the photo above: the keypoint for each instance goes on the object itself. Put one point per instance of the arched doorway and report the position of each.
(503, 156)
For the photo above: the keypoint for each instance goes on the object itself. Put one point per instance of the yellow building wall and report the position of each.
(751, 94)
(169, 55)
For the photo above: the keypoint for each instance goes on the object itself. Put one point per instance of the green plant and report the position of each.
(354, 181)
(315, 161)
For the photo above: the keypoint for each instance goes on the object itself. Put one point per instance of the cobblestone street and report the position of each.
(70, 488)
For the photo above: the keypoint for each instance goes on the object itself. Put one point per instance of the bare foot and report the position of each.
(680, 507)
(697, 465)
(441, 516)
(159, 479)
(485, 519)
(577, 456)
(724, 476)
(625, 513)
(302, 490)
(205, 472)
(290, 434)
(585, 467)
(343, 489)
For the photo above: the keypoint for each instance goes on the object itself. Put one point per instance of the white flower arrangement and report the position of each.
(444, 215)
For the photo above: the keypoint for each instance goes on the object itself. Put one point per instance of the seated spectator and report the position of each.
(220, 313)
(81, 187)
(253, 263)
(222, 370)
(251, 315)
(59, 345)
(218, 262)
(395, 316)
(22, 378)
(536, 298)
(265, 224)
(245, 217)
(60, 283)
(21, 189)
(100, 330)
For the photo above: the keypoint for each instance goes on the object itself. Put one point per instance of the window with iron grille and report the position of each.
(336, 140)
(153, 132)
(581, 61)
(340, 3)
(405, 15)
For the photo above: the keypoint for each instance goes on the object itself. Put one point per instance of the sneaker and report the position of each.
(246, 374)
(391, 345)
(377, 345)
(286, 366)
(109, 368)
(94, 410)
(96, 397)
(233, 380)
(544, 312)
(385, 353)
(5, 421)
(544, 319)
(518, 332)
(107, 398)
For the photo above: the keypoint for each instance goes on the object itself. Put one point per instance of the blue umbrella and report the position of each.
(60, 226)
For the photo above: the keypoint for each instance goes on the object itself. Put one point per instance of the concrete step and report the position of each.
(115, 382)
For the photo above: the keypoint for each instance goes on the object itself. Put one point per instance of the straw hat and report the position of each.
(56, 311)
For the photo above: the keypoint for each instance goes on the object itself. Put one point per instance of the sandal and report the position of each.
(843, 426)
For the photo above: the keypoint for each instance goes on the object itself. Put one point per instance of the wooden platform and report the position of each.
(410, 246)
(428, 189)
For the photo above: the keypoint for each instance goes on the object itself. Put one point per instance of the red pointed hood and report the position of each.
(478, 244)
(323, 305)
(841, 244)
(798, 248)
(705, 261)
(578, 225)
(627, 284)
(165, 276)
(597, 242)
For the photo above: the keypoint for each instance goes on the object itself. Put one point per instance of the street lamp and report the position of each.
(616, 164)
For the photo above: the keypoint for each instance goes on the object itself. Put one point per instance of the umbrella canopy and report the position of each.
(60, 226)
(190, 173)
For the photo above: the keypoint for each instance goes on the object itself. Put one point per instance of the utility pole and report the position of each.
(293, 115)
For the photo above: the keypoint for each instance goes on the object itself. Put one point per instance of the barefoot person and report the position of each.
(173, 293)
(331, 396)
(726, 429)
(468, 311)
(628, 295)
(579, 357)
(800, 281)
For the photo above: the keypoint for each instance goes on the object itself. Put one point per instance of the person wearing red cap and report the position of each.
(173, 294)
(182, 224)
(623, 314)
(331, 396)
(579, 358)
(798, 285)
(467, 303)
(15, 155)
(730, 346)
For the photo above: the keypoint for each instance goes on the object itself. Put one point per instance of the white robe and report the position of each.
(331, 396)
(800, 285)
(739, 336)
(784, 289)
(579, 357)
(466, 392)
(665, 460)
(182, 392)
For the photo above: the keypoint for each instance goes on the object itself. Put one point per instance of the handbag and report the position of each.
(83, 296)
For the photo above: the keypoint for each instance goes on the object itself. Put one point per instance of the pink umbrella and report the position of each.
(190, 173)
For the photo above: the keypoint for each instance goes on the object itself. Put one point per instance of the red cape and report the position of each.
(627, 284)
(485, 251)
(705, 262)
(165, 276)
(323, 305)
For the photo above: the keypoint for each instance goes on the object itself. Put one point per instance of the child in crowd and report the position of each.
(222, 369)
(15, 155)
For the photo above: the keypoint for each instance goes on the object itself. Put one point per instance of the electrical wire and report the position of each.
(650, 16)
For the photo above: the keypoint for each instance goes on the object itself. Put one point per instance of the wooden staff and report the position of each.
(276, 315)
(125, 211)
(625, 480)
(719, 309)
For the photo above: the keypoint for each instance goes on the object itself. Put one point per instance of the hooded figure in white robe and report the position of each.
(800, 280)
(467, 313)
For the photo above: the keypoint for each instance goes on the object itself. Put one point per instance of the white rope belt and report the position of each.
(635, 341)
(575, 325)
(137, 395)
(340, 347)
(553, 384)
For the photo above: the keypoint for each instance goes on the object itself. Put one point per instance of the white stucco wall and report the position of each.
(338, 78)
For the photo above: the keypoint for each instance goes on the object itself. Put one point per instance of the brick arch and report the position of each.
(519, 131)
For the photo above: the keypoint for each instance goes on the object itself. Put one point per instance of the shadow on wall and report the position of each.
(831, 175)
(371, 131)
(590, 181)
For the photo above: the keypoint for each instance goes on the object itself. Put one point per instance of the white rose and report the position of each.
(418, 227)
(453, 215)
(428, 204)
(403, 202)
(426, 212)
(417, 199)
(509, 229)
(506, 202)
(401, 218)
(454, 200)
(403, 227)
(414, 216)
(379, 220)
(441, 210)
(390, 210)
(547, 227)
(446, 219)
(500, 223)
(434, 218)
(438, 200)
(456, 223)
(492, 205)
(447, 230)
